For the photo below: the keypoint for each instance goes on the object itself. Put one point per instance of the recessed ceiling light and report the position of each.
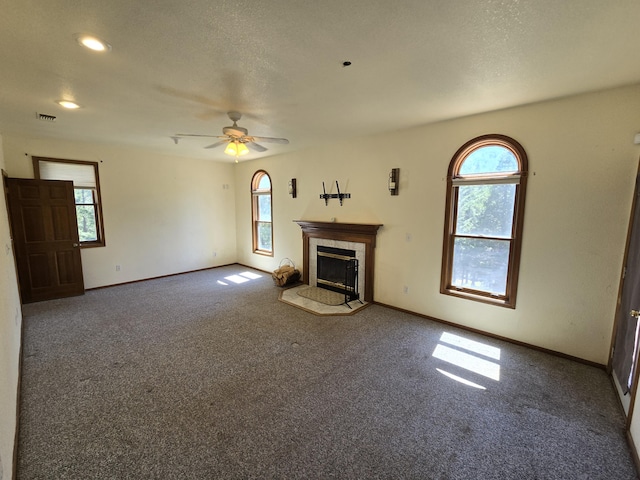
(68, 104)
(92, 42)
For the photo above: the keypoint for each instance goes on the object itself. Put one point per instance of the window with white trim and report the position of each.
(484, 217)
(86, 189)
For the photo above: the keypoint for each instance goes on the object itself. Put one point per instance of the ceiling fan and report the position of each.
(236, 138)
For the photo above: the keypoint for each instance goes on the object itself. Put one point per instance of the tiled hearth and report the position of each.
(290, 296)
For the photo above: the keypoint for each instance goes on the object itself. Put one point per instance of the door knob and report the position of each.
(77, 245)
(635, 313)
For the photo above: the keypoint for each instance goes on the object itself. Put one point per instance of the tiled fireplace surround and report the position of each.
(359, 237)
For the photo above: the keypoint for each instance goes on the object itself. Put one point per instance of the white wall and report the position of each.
(582, 161)
(162, 214)
(10, 331)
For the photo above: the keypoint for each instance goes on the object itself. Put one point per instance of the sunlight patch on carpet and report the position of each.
(460, 379)
(240, 278)
(250, 275)
(468, 362)
(471, 345)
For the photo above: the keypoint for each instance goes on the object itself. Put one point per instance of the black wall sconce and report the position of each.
(293, 191)
(394, 181)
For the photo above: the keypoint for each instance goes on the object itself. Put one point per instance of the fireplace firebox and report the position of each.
(337, 270)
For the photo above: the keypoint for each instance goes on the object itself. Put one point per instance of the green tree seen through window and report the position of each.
(86, 214)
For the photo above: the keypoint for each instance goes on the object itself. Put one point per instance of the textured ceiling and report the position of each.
(179, 66)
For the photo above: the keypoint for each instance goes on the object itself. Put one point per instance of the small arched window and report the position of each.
(483, 220)
(261, 213)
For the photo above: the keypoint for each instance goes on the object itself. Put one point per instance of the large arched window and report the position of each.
(261, 213)
(483, 221)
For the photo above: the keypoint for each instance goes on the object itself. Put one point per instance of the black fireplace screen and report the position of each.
(338, 271)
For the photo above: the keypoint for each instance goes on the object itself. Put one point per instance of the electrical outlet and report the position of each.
(405, 289)
(408, 237)
(117, 268)
(215, 254)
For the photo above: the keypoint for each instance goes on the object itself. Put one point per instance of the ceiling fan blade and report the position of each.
(221, 142)
(256, 147)
(198, 135)
(283, 141)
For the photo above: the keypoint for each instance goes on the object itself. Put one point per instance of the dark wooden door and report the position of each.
(624, 355)
(45, 231)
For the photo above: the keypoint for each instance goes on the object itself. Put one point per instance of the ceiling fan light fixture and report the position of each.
(236, 149)
(242, 149)
(231, 149)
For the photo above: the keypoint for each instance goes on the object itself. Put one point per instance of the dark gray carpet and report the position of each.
(197, 377)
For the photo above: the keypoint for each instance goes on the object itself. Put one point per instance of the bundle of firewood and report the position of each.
(285, 274)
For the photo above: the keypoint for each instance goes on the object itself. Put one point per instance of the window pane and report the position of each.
(264, 183)
(87, 229)
(481, 264)
(489, 159)
(264, 208)
(485, 210)
(83, 195)
(264, 236)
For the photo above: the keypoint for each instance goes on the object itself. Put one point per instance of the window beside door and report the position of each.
(484, 220)
(86, 189)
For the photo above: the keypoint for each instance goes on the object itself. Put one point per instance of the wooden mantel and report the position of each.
(347, 232)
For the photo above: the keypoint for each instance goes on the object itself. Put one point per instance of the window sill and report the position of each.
(92, 244)
(263, 253)
(499, 302)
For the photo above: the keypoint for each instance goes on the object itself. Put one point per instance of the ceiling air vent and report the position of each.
(45, 117)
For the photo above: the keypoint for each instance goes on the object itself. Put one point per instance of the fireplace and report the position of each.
(337, 270)
(357, 237)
